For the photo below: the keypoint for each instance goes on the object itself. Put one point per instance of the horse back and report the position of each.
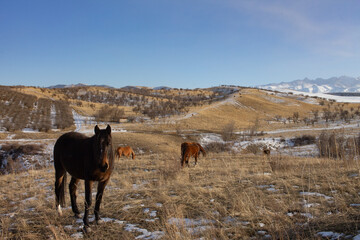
(71, 151)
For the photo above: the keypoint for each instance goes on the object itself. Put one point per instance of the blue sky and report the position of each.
(184, 44)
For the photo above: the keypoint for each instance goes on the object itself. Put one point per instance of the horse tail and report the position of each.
(60, 190)
(133, 154)
(183, 150)
(117, 153)
(60, 176)
(202, 150)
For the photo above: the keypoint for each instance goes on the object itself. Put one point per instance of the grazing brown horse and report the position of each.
(190, 149)
(87, 158)
(126, 151)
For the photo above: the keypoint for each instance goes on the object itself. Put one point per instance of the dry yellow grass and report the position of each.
(244, 108)
(149, 142)
(225, 197)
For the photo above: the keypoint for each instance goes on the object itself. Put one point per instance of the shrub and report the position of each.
(228, 131)
(330, 145)
(278, 164)
(303, 140)
(218, 147)
(255, 148)
(11, 156)
(109, 114)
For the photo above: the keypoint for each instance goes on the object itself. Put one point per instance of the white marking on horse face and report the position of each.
(59, 210)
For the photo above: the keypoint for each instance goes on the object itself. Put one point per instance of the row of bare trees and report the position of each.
(149, 102)
(327, 115)
(19, 111)
(338, 146)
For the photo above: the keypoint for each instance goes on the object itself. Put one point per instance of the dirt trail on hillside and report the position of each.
(229, 100)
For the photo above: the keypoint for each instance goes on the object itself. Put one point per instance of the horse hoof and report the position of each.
(77, 215)
(99, 221)
(86, 229)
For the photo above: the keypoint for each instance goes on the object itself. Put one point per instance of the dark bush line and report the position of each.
(11, 156)
(303, 140)
(218, 147)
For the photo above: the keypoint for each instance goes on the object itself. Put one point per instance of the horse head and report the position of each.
(102, 147)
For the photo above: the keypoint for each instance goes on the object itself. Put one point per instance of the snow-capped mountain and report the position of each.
(319, 85)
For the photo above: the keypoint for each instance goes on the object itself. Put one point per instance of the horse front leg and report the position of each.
(88, 186)
(72, 190)
(99, 195)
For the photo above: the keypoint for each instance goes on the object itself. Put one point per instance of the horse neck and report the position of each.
(201, 149)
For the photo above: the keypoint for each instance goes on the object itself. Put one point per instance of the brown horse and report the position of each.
(190, 149)
(87, 158)
(126, 151)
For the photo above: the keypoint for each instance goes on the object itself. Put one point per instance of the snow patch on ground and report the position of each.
(330, 235)
(193, 226)
(80, 120)
(206, 138)
(315, 194)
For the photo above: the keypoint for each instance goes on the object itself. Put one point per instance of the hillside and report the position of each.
(144, 109)
(22, 106)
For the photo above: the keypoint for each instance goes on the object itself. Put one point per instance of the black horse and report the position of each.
(87, 158)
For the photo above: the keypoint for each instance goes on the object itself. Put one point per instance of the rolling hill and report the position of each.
(163, 109)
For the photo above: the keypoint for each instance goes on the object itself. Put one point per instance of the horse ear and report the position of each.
(108, 129)
(96, 129)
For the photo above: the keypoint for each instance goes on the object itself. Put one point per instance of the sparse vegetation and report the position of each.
(228, 132)
(254, 148)
(109, 114)
(21, 111)
(12, 157)
(225, 197)
(338, 146)
(218, 147)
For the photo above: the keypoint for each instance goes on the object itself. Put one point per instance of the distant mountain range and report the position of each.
(341, 84)
(77, 85)
(106, 86)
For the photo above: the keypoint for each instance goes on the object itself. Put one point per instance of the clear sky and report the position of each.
(177, 43)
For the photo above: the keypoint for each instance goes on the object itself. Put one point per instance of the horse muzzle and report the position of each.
(104, 167)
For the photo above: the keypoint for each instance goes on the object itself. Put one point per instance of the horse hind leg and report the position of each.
(187, 160)
(72, 190)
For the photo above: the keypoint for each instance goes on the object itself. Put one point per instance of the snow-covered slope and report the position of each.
(319, 85)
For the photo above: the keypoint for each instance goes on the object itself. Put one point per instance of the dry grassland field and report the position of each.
(307, 187)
